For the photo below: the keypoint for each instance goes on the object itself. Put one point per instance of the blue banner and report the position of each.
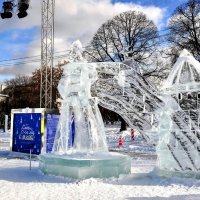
(72, 132)
(27, 133)
(51, 126)
(52, 121)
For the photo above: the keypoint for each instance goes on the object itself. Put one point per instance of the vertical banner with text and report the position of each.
(51, 126)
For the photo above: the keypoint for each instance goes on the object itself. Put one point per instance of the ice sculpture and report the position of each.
(82, 152)
(74, 89)
(121, 89)
(184, 76)
(170, 120)
(179, 145)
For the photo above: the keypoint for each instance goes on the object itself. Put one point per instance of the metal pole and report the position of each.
(47, 52)
(30, 160)
(6, 124)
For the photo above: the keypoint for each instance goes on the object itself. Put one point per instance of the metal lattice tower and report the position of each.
(47, 52)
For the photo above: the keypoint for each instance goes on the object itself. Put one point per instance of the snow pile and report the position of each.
(20, 183)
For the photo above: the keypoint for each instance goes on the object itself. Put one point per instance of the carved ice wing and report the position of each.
(143, 107)
(120, 89)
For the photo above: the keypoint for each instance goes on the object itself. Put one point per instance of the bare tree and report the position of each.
(129, 35)
(18, 80)
(184, 28)
(24, 91)
(158, 70)
(56, 76)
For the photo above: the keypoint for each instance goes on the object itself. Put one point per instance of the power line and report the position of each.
(29, 61)
(23, 58)
(8, 62)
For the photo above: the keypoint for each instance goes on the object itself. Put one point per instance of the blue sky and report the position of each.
(75, 19)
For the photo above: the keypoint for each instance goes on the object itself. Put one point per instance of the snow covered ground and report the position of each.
(18, 182)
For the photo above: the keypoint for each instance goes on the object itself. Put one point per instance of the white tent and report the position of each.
(184, 76)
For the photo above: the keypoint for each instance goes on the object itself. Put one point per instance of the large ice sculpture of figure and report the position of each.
(80, 148)
(78, 105)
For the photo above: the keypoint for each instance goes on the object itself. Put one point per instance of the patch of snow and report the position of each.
(18, 182)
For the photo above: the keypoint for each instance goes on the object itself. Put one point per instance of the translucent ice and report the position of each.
(163, 119)
(74, 88)
(170, 120)
(81, 166)
(185, 74)
(80, 149)
(179, 136)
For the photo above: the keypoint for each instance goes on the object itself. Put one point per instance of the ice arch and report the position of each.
(120, 89)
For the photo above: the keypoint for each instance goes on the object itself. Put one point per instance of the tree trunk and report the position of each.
(123, 124)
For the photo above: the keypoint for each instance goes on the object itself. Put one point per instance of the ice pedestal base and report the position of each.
(81, 166)
(182, 174)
